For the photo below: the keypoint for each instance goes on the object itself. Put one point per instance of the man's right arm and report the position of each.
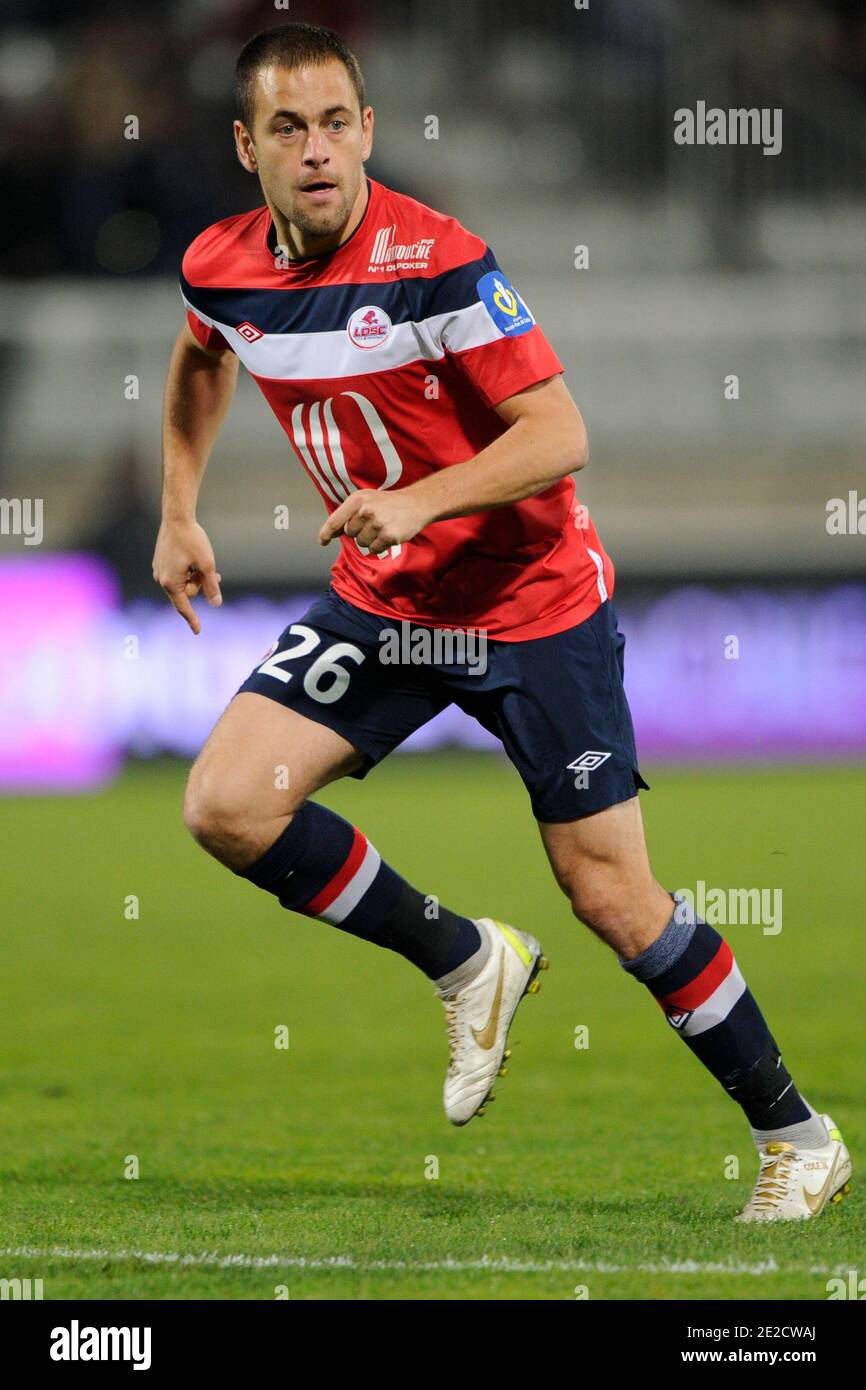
(198, 392)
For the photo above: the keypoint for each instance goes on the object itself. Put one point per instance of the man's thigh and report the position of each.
(327, 670)
(265, 759)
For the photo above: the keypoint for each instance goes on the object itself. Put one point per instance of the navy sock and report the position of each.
(322, 866)
(691, 972)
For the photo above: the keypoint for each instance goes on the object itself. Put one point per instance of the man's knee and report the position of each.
(209, 814)
(219, 818)
(627, 911)
(595, 901)
(602, 897)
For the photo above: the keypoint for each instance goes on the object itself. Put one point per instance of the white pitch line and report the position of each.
(491, 1264)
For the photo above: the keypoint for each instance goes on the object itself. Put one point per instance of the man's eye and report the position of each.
(284, 128)
(338, 122)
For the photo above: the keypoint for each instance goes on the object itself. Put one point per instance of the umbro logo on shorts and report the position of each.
(588, 761)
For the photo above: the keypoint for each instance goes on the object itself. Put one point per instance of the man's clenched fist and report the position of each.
(377, 518)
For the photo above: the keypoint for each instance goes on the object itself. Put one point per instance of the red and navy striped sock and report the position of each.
(692, 974)
(322, 866)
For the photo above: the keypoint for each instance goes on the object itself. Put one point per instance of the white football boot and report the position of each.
(479, 1015)
(796, 1183)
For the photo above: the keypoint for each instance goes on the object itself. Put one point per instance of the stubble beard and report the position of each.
(325, 222)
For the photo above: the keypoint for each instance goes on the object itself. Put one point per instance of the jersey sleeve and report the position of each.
(488, 331)
(207, 335)
(193, 273)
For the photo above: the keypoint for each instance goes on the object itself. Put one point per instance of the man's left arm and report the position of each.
(545, 441)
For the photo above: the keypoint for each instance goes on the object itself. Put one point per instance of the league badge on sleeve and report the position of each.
(504, 305)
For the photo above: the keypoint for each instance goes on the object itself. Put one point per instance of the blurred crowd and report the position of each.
(82, 198)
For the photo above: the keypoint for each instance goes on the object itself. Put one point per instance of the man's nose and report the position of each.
(315, 149)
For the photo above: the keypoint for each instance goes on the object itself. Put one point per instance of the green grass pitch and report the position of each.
(307, 1168)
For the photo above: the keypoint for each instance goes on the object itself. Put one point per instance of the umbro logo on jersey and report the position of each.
(369, 327)
(388, 254)
(249, 332)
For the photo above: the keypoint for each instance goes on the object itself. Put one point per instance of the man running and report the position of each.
(422, 398)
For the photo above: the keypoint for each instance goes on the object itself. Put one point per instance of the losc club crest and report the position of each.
(369, 327)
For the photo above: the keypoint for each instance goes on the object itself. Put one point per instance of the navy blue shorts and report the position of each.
(556, 703)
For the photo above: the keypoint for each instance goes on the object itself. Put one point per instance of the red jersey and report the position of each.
(382, 361)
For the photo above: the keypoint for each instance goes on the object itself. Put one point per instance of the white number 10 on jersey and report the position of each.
(333, 478)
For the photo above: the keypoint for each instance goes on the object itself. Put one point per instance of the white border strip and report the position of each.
(493, 1264)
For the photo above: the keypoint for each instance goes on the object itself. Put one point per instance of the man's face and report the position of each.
(308, 144)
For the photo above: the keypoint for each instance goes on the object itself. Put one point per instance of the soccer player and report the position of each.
(429, 410)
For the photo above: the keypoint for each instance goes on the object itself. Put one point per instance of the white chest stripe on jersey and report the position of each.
(331, 355)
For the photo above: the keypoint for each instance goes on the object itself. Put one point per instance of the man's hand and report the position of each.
(377, 518)
(545, 440)
(184, 565)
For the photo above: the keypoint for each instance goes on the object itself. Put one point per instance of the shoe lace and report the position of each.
(774, 1177)
(452, 1026)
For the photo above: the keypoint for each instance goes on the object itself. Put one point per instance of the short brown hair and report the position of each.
(290, 46)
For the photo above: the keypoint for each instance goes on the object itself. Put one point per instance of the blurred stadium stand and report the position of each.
(556, 130)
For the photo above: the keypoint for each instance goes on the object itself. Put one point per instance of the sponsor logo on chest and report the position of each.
(389, 254)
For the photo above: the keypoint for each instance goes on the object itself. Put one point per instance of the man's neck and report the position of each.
(301, 248)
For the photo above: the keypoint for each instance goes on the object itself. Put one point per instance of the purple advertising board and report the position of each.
(711, 673)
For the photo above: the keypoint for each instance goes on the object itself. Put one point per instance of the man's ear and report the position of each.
(244, 148)
(367, 142)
